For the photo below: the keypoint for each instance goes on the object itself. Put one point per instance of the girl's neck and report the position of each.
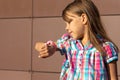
(84, 41)
(85, 38)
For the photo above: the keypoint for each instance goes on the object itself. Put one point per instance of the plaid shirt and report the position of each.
(84, 62)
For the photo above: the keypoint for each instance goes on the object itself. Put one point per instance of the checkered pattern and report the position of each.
(84, 62)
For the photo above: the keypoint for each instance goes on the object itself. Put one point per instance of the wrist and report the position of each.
(52, 44)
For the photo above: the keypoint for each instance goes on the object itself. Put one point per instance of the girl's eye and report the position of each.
(69, 21)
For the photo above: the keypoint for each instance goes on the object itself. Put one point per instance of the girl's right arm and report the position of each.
(46, 49)
(112, 70)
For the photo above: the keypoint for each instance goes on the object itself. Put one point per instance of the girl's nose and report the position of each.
(67, 27)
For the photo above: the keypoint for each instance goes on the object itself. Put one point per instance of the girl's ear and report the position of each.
(84, 18)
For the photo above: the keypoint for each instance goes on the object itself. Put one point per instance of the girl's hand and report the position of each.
(44, 49)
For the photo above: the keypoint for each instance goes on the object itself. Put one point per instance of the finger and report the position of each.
(36, 47)
(43, 55)
(39, 56)
(43, 52)
(41, 49)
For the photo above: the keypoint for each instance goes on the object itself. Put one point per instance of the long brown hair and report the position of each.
(95, 25)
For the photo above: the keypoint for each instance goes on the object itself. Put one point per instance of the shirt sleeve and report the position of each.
(61, 43)
(112, 53)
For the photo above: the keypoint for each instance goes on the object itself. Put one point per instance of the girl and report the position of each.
(90, 53)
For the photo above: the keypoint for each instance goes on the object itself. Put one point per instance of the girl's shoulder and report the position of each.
(108, 43)
(110, 47)
(111, 51)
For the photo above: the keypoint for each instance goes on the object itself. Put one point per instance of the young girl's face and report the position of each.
(74, 25)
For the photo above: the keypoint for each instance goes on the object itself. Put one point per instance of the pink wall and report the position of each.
(24, 22)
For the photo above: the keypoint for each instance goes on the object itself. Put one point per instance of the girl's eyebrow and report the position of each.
(67, 18)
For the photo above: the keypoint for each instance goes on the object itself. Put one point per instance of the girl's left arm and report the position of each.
(112, 70)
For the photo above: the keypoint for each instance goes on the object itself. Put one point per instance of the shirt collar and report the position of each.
(85, 47)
